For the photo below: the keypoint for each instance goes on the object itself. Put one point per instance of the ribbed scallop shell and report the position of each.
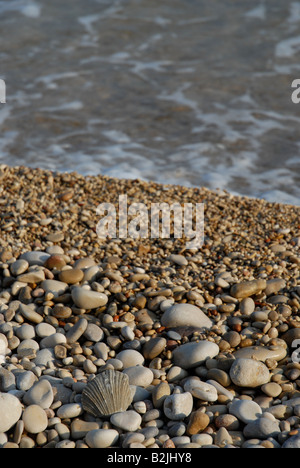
(108, 393)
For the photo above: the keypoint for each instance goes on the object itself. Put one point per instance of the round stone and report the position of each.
(178, 406)
(139, 376)
(262, 428)
(35, 419)
(25, 332)
(194, 353)
(93, 333)
(102, 438)
(130, 358)
(25, 380)
(44, 356)
(71, 275)
(185, 315)
(10, 411)
(249, 373)
(44, 329)
(41, 394)
(274, 286)
(197, 423)
(154, 347)
(129, 421)
(55, 261)
(247, 306)
(88, 299)
(272, 389)
(245, 410)
(61, 312)
(292, 442)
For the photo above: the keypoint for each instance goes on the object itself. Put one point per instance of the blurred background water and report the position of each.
(189, 92)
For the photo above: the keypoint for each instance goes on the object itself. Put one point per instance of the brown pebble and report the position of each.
(56, 261)
(66, 195)
(71, 276)
(168, 444)
(197, 423)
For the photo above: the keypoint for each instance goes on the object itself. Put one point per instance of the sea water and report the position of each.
(188, 92)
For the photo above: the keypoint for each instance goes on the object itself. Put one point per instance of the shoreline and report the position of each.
(205, 335)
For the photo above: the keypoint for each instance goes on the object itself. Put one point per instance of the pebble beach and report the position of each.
(203, 340)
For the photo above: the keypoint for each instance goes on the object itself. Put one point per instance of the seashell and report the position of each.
(108, 393)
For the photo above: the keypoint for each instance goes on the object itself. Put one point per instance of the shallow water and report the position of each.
(191, 92)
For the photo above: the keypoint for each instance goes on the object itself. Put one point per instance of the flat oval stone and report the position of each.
(25, 380)
(44, 356)
(249, 373)
(70, 410)
(71, 276)
(41, 393)
(129, 421)
(52, 340)
(178, 259)
(77, 330)
(274, 286)
(55, 261)
(35, 276)
(201, 390)
(44, 329)
(292, 442)
(194, 353)
(262, 428)
(10, 411)
(261, 353)
(19, 267)
(178, 406)
(185, 315)
(139, 376)
(247, 306)
(35, 419)
(130, 358)
(101, 438)
(55, 287)
(35, 257)
(83, 263)
(245, 410)
(87, 299)
(55, 237)
(61, 312)
(154, 347)
(28, 313)
(248, 288)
